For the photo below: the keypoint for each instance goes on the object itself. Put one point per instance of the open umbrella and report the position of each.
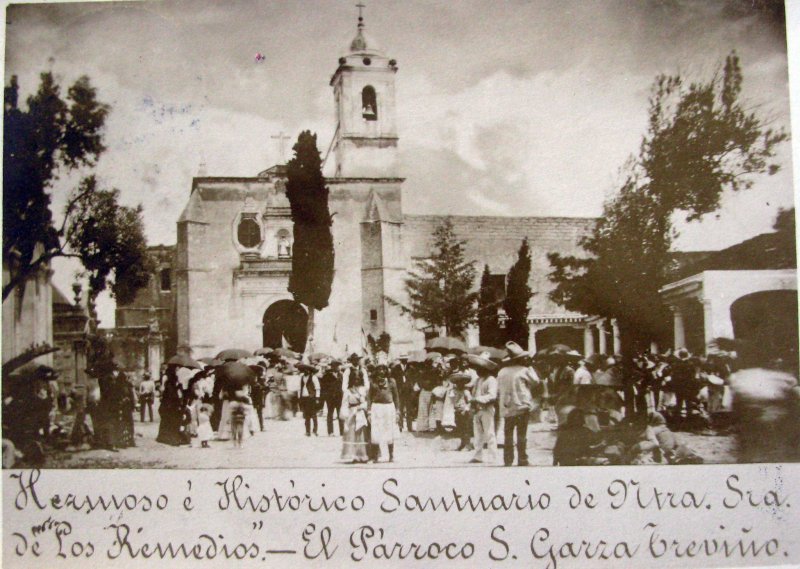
(317, 356)
(286, 353)
(211, 362)
(184, 361)
(446, 345)
(265, 351)
(232, 355)
(235, 374)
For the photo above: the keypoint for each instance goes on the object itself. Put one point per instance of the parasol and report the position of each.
(231, 355)
(184, 361)
(318, 356)
(211, 362)
(235, 374)
(446, 344)
(265, 351)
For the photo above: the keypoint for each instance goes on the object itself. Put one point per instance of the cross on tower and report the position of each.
(281, 138)
(360, 7)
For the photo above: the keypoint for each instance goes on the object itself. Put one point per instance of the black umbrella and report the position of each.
(235, 374)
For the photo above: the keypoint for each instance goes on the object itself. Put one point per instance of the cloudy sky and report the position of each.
(516, 107)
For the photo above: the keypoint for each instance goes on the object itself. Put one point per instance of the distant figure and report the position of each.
(147, 391)
(238, 419)
(204, 431)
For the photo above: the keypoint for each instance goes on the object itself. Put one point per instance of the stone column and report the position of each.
(588, 341)
(615, 335)
(532, 329)
(601, 328)
(154, 356)
(678, 329)
(716, 320)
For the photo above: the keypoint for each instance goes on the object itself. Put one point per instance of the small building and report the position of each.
(144, 332)
(747, 292)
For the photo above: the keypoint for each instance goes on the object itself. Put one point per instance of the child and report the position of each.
(238, 417)
(204, 431)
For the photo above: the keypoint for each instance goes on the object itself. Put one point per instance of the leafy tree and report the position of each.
(518, 294)
(487, 311)
(312, 252)
(48, 137)
(439, 289)
(380, 344)
(701, 141)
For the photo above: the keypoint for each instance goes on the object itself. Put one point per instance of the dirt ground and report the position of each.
(284, 444)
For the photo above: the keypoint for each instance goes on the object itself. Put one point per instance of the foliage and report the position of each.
(700, 143)
(48, 137)
(488, 326)
(440, 287)
(312, 252)
(518, 294)
(380, 344)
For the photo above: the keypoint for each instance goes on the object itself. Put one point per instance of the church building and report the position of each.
(234, 250)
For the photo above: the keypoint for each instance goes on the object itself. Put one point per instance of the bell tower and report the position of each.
(365, 143)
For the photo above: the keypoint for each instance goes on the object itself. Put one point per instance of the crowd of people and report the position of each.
(603, 411)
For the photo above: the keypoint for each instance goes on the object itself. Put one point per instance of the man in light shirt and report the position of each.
(582, 375)
(147, 394)
(515, 383)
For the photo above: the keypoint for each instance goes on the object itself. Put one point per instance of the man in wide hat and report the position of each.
(405, 388)
(483, 400)
(515, 383)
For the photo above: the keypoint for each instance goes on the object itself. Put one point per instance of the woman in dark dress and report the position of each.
(123, 413)
(171, 410)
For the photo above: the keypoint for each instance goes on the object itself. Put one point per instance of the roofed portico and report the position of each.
(705, 300)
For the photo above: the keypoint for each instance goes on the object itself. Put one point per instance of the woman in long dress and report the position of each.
(170, 410)
(354, 414)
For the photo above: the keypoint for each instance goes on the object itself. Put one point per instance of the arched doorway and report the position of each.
(768, 320)
(285, 319)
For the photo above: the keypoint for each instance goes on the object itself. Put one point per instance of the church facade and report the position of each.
(233, 255)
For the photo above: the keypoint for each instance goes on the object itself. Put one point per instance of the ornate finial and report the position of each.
(360, 7)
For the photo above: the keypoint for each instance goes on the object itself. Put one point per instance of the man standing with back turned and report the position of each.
(515, 385)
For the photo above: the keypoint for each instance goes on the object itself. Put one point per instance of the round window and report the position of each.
(367, 61)
(249, 233)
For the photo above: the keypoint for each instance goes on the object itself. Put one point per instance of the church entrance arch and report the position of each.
(285, 320)
(768, 319)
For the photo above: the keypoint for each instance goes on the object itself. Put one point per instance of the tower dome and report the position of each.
(363, 43)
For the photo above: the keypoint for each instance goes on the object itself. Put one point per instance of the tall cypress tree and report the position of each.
(312, 251)
(518, 293)
(487, 311)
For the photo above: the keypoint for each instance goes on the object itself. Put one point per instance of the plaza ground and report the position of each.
(284, 444)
